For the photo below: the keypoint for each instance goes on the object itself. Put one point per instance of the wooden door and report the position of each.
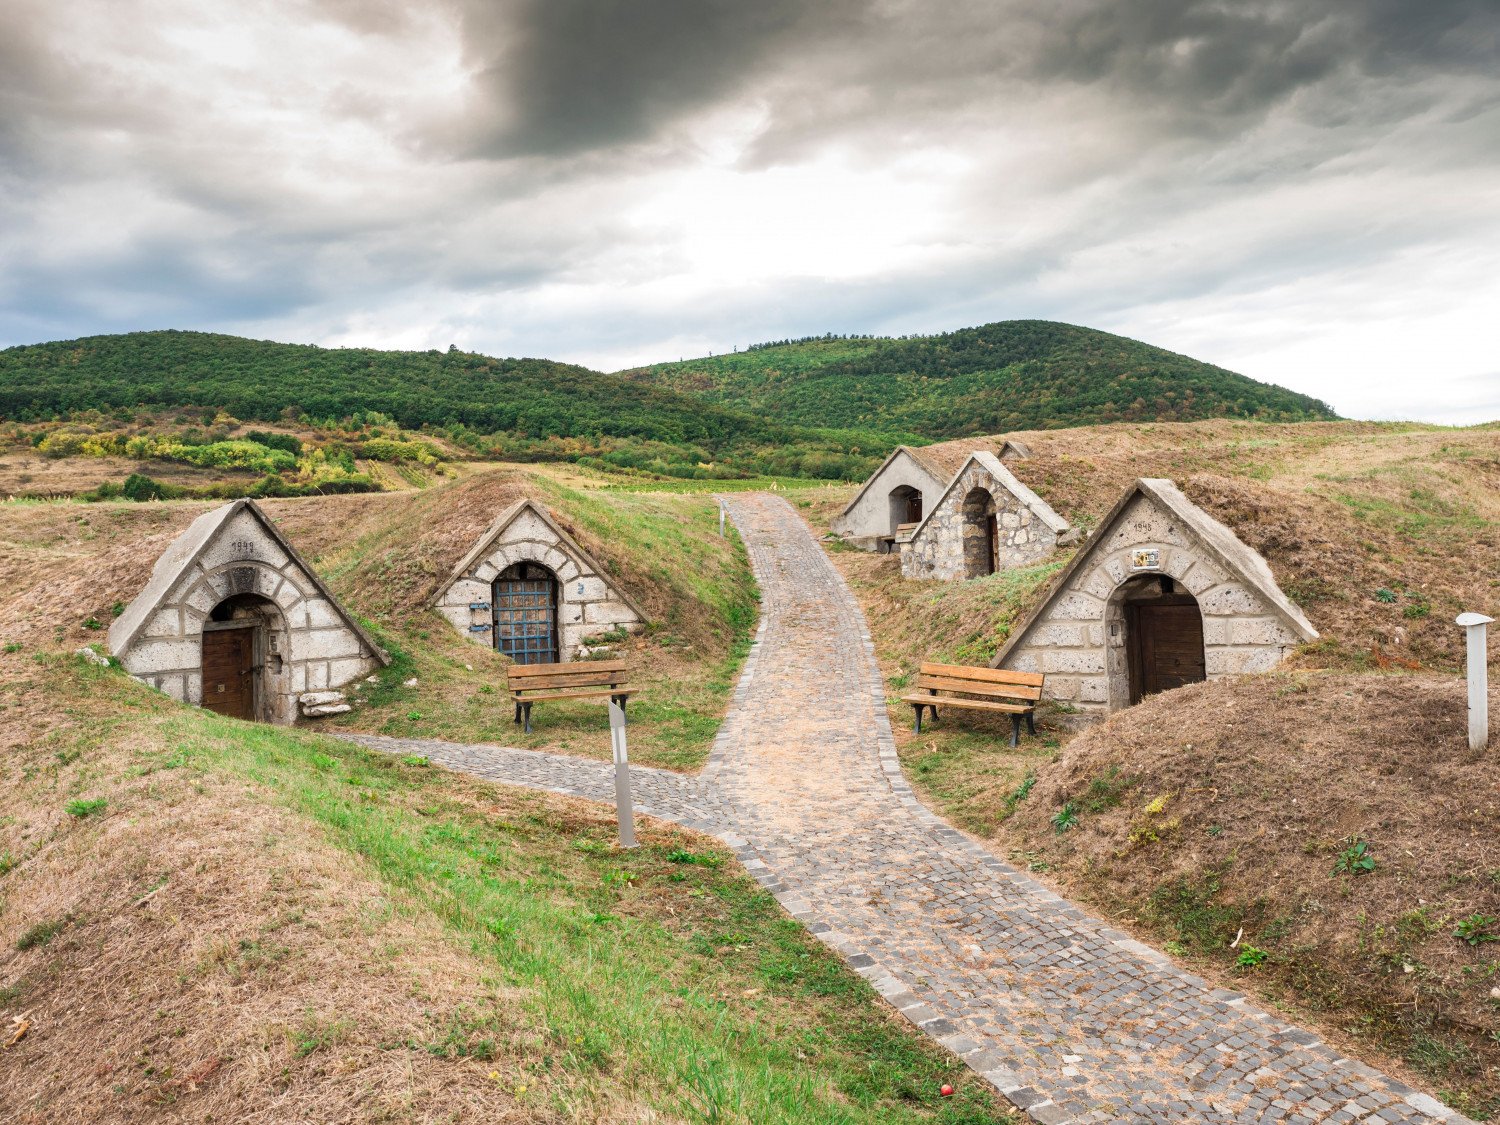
(1165, 645)
(992, 546)
(526, 617)
(229, 672)
(913, 508)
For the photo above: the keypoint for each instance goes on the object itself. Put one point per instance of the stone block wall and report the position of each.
(308, 646)
(587, 604)
(942, 545)
(1080, 642)
(868, 519)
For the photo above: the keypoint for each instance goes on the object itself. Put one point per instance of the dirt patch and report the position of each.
(1231, 804)
(214, 958)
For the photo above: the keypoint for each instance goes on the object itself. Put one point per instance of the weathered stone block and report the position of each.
(1093, 689)
(1077, 607)
(592, 590)
(151, 657)
(1059, 635)
(1258, 631)
(1230, 600)
(1060, 687)
(1072, 660)
(348, 669)
(324, 644)
(318, 712)
(164, 623)
(607, 613)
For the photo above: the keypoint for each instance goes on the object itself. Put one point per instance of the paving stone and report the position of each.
(1071, 1018)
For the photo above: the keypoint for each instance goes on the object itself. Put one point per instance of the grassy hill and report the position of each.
(1011, 375)
(1226, 804)
(515, 409)
(269, 924)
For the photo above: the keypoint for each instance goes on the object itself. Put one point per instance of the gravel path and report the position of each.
(1070, 1018)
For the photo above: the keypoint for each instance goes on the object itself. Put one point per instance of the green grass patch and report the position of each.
(666, 969)
(40, 934)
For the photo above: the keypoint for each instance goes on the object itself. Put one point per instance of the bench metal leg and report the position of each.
(917, 707)
(526, 714)
(1015, 730)
(517, 719)
(1031, 723)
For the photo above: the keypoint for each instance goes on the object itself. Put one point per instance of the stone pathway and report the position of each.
(1070, 1018)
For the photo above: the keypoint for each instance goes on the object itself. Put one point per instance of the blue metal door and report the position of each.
(525, 604)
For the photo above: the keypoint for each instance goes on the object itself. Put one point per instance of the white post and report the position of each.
(722, 513)
(623, 807)
(1479, 675)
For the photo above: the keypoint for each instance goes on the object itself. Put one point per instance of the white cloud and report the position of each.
(1311, 202)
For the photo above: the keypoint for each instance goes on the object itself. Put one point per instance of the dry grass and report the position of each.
(219, 960)
(1228, 804)
(259, 925)
(69, 567)
(1383, 534)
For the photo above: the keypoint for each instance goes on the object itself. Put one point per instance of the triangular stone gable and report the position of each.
(1077, 635)
(588, 602)
(210, 543)
(1006, 480)
(900, 453)
(939, 468)
(518, 512)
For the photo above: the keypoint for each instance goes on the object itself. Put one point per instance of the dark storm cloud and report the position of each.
(492, 168)
(565, 76)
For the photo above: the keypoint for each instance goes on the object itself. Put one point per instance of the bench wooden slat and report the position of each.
(1000, 690)
(971, 704)
(570, 679)
(567, 667)
(589, 693)
(565, 679)
(979, 687)
(989, 675)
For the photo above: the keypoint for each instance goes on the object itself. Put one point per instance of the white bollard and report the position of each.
(722, 513)
(623, 807)
(1479, 676)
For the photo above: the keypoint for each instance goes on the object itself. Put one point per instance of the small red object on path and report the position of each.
(946, 1090)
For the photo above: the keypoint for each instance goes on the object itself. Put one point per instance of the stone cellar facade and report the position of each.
(985, 521)
(527, 589)
(235, 621)
(1161, 595)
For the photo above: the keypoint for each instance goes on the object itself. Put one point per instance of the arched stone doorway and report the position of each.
(906, 506)
(244, 648)
(980, 534)
(525, 606)
(1156, 639)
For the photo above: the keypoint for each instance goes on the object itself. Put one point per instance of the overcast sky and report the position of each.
(1306, 192)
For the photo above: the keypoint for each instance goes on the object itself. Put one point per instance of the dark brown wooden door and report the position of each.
(992, 546)
(1166, 646)
(228, 672)
(914, 508)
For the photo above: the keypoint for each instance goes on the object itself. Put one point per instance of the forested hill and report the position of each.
(1011, 375)
(517, 408)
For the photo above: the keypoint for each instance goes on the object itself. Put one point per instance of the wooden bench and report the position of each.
(582, 679)
(956, 685)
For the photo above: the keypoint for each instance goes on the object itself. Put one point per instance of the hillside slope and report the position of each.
(516, 407)
(1227, 804)
(208, 920)
(1016, 374)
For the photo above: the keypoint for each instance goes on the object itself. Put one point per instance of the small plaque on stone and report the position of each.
(1148, 558)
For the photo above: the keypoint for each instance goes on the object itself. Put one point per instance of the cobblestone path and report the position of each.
(1071, 1019)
